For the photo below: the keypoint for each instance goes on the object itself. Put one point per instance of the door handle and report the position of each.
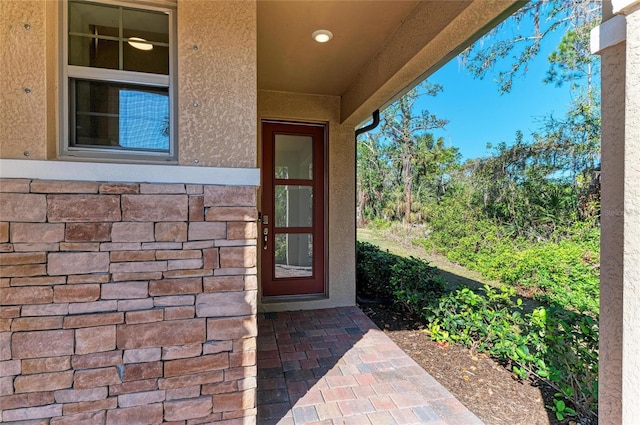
(265, 233)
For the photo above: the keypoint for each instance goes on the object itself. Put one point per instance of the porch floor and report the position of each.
(334, 366)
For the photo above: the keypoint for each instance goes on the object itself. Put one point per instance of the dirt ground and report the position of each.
(488, 389)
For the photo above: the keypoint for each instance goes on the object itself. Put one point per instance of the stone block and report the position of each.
(175, 286)
(77, 395)
(198, 245)
(181, 393)
(36, 323)
(167, 189)
(23, 207)
(141, 371)
(45, 365)
(83, 208)
(238, 257)
(87, 232)
(203, 231)
(80, 246)
(120, 246)
(142, 355)
(134, 386)
(195, 263)
(181, 351)
(250, 282)
(93, 307)
(161, 334)
(220, 387)
(92, 320)
(223, 283)
(119, 188)
(196, 208)
(172, 274)
(229, 196)
(76, 293)
(179, 312)
(162, 245)
(96, 379)
(69, 263)
(86, 418)
(37, 232)
(26, 270)
(171, 232)
(14, 185)
(90, 406)
(243, 358)
(6, 247)
(123, 256)
(10, 367)
(43, 382)
(139, 267)
(137, 304)
(31, 413)
(88, 278)
(45, 310)
(17, 401)
(137, 415)
(211, 258)
(4, 231)
(97, 360)
(196, 365)
(223, 304)
(9, 312)
(234, 271)
(132, 232)
(231, 328)
(180, 410)
(154, 207)
(194, 189)
(95, 339)
(6, 386)
(126, 290)
(27, 345)
(242, 230)
(141, 399)
(54, 186)
(234, 401)
(213, 347)
(25, 295)
(232, 214)
(174, 300)
(145, 316)
(236, 242)
(190, 380)
(179, 255)
(122, 277)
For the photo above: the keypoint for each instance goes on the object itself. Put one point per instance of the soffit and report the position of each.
(290, 60)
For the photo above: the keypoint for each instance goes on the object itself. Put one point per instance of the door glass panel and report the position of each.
(294, 253)
(294, 206)
(294, 157)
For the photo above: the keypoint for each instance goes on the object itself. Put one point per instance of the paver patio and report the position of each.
(335, 367)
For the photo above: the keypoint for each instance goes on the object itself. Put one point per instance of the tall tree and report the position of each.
(402, 128)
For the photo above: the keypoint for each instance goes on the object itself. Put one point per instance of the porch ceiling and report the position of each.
(378, 47)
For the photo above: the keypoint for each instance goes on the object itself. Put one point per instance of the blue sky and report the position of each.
(478, 114)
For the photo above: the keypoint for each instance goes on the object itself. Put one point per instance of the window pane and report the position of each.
(87, 18)
(146, 24)
(294, 206)
(294, 254)
(94, 52)
(294, 156)
(119, 116)
(154, 61)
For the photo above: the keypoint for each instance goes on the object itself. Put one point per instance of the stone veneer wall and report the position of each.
(127, 303)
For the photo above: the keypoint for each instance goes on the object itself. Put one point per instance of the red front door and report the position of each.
(292, 234)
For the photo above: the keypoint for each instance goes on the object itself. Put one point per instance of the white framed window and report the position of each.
(118, 88)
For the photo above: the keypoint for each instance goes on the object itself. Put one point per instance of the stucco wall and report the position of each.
(219, 77)
(340, 164)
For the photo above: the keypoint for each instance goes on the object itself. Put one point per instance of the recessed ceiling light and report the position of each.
(140, 43)
(322, 36)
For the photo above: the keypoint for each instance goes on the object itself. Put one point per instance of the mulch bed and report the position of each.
(487, 388)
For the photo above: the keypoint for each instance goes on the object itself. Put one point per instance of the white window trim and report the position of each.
(128, 77)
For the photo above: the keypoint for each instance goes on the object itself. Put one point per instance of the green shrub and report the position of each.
(415, 284)
(373, 271)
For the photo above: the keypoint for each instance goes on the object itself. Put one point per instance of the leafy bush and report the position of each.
(557, 346)
(373, 271)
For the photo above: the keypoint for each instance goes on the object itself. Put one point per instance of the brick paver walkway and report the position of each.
(336, 367)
